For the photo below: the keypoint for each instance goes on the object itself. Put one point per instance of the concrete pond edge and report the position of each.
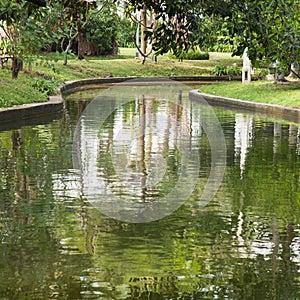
(75, 85)
(34, 113)
(272, 111)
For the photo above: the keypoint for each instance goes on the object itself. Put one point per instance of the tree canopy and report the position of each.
(270, 29)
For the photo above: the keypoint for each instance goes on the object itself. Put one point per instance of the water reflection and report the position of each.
(243, 245)
(242, 138)
(138, 154)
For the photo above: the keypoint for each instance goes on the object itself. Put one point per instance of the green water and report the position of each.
(244, 244)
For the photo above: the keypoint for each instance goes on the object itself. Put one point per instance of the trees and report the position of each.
(76, 15)
(270, 29)
(27, 30)
(102, 32)
(145, 21)
(77, 12)
(127, 33)
(179, 24)
(32, 25)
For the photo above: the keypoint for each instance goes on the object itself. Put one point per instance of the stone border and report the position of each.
(266, 110)
(76, 85)
(31, 114)
(27, 111)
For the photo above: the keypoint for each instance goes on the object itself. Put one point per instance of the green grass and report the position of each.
(18, 92)
(125, 65)
(49, 72)
(46, 77)
(259, 91)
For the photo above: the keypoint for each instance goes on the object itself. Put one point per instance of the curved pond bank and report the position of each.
(268, 110)
(31, 114)
(14, 117)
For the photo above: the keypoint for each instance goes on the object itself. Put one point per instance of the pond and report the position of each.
(62, 237)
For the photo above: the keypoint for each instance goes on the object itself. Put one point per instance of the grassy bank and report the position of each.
(47, 74)
(46, 77)
(125, 65)
(21, 91)
(259, 91)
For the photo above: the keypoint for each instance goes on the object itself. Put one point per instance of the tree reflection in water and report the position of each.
(243, 245)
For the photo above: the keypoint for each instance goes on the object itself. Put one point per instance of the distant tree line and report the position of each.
(269, 29)
(77, 26)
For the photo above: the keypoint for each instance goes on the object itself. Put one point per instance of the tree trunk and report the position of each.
(71, 39)
(294, 71)
(29, 67)
(67, 51)
(143, 29)
(81, 39)
(80, 54)
(15, 68)
(20, 63)
(152, 24)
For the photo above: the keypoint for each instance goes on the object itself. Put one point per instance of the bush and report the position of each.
(191, 55)
(262, 72)
(219, 70)
(227, 70)
(126, 33)
(101, 32)
(47, 87)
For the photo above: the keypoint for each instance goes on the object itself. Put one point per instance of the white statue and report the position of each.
(247, 68)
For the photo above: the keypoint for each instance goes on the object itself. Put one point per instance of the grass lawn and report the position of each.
(46, 77)
(36, 86)
(259, 91)
(126, 65)
(21, 91)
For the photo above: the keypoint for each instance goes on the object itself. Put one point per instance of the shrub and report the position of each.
(219, 70)
(47, 87)
(262, 72)
(227, 70)
(191, 55)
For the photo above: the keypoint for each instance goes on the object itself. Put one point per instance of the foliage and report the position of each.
(175, 19)
(47, 87)
(102, 31)
(220, 39)
(261, 72)
(231, 70)
(182, 25)
(77, 13)
(270, 29)
(77, 10)
(191, 55)
(126, 33)
(27, 28)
